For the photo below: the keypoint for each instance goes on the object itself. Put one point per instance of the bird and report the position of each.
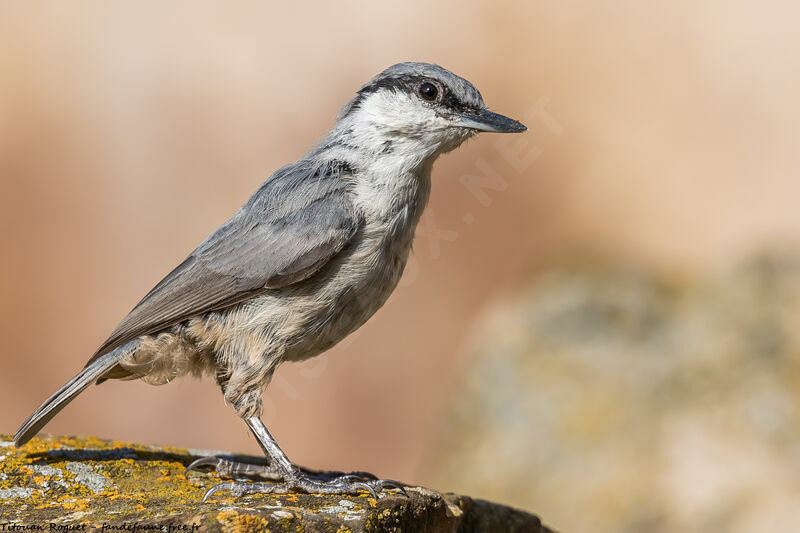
(307, 260)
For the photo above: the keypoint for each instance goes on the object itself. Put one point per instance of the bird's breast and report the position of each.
(352, 287)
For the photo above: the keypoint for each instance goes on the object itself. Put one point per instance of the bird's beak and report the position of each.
(488, 121)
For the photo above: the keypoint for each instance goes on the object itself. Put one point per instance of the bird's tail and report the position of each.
(68, 392)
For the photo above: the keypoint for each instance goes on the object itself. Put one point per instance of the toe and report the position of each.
(240, 489)
(346, 484)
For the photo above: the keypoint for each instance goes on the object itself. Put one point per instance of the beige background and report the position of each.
(662, 135)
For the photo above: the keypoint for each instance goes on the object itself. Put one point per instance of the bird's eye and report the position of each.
(428, 91)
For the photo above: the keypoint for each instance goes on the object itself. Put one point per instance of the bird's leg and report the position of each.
(294, 479)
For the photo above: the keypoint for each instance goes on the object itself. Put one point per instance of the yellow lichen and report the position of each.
(234, 522)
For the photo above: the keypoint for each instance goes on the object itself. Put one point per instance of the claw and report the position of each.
(203, 461)
(216, 488)
(393, 485)
(367, 487)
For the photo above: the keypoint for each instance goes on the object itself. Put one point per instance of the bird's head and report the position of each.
(419, 107)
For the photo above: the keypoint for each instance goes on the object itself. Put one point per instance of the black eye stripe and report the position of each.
(409, 84)
(454, 104)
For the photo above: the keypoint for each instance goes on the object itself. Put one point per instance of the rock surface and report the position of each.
(55, 483)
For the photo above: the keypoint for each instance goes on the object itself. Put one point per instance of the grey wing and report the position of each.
(295, 223)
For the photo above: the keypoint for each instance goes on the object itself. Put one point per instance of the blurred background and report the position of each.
(599, 322)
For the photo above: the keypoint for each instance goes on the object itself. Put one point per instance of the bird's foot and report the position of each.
(226, 467)
(302, 482)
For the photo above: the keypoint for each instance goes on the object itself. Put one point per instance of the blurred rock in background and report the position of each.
(614, 401)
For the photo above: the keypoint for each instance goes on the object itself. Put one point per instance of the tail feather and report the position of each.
(68, 392)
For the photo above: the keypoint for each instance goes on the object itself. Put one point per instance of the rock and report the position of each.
(621, 401)
(59, 482)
